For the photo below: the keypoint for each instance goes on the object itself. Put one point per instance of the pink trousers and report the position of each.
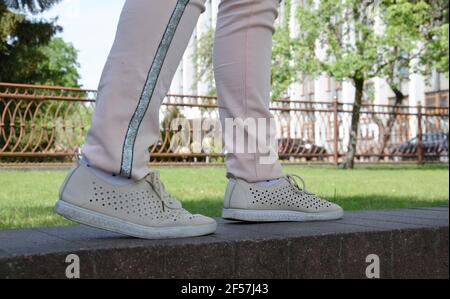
(150, 41)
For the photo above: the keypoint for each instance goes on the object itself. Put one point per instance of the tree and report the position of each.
(283, 72)
(284, 44)
(414, 39)
(437, 36)
(29, 53)
(33, 6)
(359, 40)
(338, 39)
(59, 66)
(21, 38)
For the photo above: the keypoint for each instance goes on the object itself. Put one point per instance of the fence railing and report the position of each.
(49, 124)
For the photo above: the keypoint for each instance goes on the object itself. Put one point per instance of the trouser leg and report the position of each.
(242, 67)
(151, 38)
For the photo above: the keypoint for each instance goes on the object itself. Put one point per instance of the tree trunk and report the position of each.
(399, 97)
(354, 128)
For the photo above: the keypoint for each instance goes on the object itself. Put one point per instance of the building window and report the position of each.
(436, 103)
(443, 100)
(437, 100)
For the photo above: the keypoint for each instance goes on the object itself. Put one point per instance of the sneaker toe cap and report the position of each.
(197, 219)
(336, 209)
(201, 219)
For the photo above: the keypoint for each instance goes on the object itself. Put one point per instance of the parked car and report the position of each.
(434, 145)
(298, 148)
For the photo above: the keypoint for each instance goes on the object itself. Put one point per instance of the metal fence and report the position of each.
(48, 124)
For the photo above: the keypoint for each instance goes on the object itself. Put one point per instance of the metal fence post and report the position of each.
(336, 131)
(419, 135)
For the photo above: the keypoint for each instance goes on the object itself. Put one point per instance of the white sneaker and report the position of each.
(282, 201)
(141, 209)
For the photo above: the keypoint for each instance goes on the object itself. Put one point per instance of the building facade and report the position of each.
(431, 91)
(427, 92)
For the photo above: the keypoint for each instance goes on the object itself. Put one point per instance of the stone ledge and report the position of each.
(411, 243)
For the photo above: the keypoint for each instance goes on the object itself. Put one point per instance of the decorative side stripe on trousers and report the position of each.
(149, 88)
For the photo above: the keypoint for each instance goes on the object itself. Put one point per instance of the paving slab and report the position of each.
(410, 243)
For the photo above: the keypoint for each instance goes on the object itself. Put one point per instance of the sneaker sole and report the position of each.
(278, 215)
(105, 222)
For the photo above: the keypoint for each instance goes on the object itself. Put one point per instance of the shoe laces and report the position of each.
(293, 180)
(154, 180)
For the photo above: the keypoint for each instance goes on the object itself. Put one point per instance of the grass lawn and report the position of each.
(27, 196)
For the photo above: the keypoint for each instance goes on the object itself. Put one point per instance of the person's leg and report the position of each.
(150, 41)
(242, 62)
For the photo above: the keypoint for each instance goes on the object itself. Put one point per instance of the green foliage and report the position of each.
(33, 6)
(29, 53)
(9, 22)
(412, 39)
(283, 71)
(202, 59)
(60, 65)
(337, 38)
(21, 39)
(367, 39)
(437, 47)
(358, 40)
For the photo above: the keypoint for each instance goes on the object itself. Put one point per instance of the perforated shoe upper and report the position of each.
(144, 202)
(284, 195)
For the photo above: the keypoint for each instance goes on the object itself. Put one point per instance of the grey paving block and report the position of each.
(396, 221)
(378, 225)
(442, 253)
(411, 243)
(96, 239)
(134, 263)
(31, 241)
(437, 208)
(79, 233)
(415, 253)
(267, 259)
(50, 265)
(415, 214)
(315, 257)
(235, 232)
(280, 229)
(357, 247)
(213, 260)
